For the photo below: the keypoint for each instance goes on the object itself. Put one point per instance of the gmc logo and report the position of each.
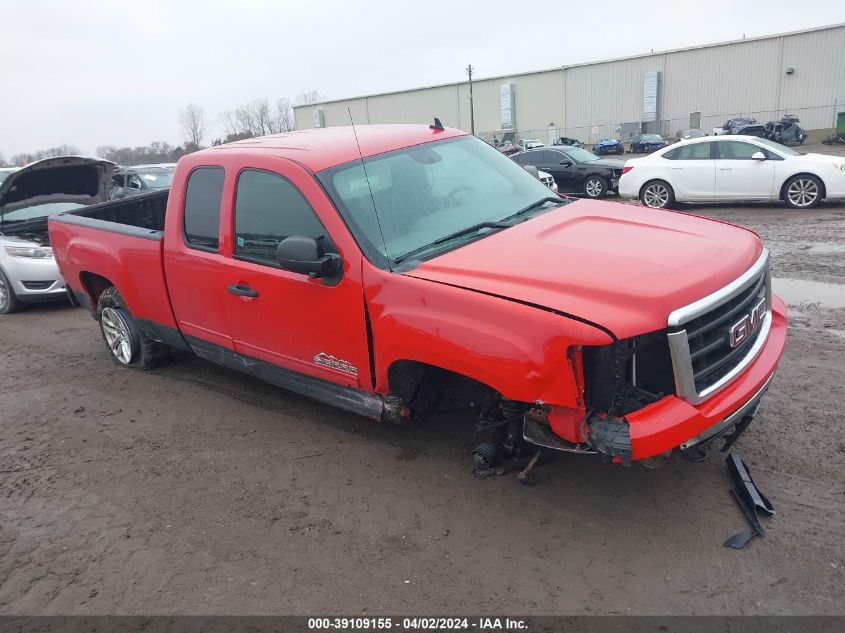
(748, 324)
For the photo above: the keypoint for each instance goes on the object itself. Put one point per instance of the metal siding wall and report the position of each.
(721, 82)
(607, 95)
(740, 78)
(419, 106)
(819, 78)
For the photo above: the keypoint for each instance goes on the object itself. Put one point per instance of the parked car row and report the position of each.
(733, 168)
(784, 131)
(574, 169)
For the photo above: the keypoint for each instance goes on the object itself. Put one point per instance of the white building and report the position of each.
(801, 73)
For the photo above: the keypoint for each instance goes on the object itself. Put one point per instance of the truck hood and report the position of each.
(61, 179)
(621, 266)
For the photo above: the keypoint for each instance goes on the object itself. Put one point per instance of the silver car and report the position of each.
(28, 272)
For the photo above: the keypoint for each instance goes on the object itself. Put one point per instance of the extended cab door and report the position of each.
(193, 262)
(310, 326)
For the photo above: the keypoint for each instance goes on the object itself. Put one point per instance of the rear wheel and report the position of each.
(126, 343)
(8, 301)
(595, 187)
(802, 192)
(657, 194)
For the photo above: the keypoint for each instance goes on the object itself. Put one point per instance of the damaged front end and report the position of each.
(620, 378)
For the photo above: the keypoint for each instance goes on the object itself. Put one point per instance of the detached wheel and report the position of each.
(802, 192)
(657, 195)
(595, 187)
(8, 301)
(126, 343)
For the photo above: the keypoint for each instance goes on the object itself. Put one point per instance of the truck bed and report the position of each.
(118, 244)
(145, 212)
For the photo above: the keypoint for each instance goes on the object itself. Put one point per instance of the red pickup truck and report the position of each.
(412, 268)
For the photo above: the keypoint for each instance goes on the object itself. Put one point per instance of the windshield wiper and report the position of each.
(451, 236)
(534, 205)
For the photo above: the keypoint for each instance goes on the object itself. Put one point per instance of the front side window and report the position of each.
(202, 208)
(736, 150)
(268, 209)
(415, 197)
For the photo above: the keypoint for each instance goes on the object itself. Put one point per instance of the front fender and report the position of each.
(518, 350)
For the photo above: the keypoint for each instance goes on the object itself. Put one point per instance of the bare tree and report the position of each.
(192, 120)
(2, 160)
(282, 120)
(307, 98)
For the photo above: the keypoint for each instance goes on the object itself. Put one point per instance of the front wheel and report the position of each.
(657, 195)
(802, 192)
(8, 300)
(595, 187)
(126, 343)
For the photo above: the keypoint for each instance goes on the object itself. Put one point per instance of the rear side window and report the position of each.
(268, 209)
(693, 151)
(737, 150)
(529, 158)
(202, 208)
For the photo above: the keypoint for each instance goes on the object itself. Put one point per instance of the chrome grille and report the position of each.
(704, 358)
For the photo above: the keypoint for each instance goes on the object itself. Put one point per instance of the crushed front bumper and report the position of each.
(672, 422)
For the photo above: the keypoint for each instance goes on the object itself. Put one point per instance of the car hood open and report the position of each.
(620, 266)
(61, 179)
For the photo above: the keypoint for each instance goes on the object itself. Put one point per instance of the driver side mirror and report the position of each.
(304, 255)
(758, 156)
(566, 163)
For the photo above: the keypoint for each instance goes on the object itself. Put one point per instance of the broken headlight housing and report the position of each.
(627, 375)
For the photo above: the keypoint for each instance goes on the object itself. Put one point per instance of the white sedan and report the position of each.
(732, 169)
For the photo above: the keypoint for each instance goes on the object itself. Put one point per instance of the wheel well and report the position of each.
(94, 285)
(821, 183)
(424, 387)
(653, 180)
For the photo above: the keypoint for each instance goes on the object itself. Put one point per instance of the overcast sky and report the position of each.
(94, 72)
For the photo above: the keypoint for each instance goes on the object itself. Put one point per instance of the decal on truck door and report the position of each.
(327, 360)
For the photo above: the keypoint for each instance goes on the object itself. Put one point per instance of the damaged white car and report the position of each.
(28, 272)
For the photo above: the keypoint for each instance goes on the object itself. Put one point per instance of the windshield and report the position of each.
(156, 178)
(652, 138)
(39, 211)
(783, 149)
(426, 192)
(581, 155)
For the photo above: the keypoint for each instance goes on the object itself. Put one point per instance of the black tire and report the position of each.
(657, 194)
(595, 187)
(803, 191)
(8, 299)
(133, 349)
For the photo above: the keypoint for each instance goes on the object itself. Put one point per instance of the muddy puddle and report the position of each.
(797, 291)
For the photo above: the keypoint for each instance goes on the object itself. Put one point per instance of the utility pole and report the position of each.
(471, 109)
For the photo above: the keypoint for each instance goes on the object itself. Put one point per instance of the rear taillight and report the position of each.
(626, 169)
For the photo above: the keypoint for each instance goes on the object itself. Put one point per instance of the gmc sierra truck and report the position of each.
(409, 268)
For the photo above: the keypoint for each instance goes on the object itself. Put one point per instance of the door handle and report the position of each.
(725, 168)
(675, 167)
(242, 291)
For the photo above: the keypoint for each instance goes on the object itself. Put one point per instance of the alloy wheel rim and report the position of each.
(803, 192)
(656, 196)
(117, 335)
(594, 188)
(4, 294)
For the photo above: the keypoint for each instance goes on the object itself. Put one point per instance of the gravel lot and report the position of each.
(193, 489)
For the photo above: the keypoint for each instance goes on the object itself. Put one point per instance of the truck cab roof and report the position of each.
(321, 148)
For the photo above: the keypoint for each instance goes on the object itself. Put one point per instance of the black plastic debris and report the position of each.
(749, 498)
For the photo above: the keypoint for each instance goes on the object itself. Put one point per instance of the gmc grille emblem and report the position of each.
(742, 330)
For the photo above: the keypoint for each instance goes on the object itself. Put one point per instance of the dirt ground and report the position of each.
(193, 489)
